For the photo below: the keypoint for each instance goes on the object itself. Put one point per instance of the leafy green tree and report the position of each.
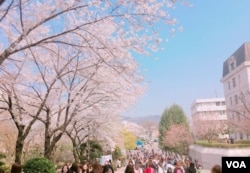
(171, 116)
(117, 153)
(129, 139)
(91, 148)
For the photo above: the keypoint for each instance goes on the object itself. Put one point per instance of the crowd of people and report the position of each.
(159, 162)
(139, 161)
(87, 167)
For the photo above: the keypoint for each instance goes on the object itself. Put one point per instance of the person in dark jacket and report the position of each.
(191, 168)
(2, 171)
(216, 169)
(73, 168)
(108, 169)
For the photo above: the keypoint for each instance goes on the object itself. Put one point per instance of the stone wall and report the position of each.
(211, 156)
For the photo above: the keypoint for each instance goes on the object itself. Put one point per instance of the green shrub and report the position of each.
(39, 165)
(2, 163)
(242, 142)
(215, 144)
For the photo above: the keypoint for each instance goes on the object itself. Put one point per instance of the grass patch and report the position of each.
(216, 144)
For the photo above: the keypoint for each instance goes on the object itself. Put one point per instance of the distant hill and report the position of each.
(142, 119)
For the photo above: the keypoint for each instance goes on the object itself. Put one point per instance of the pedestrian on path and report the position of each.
(65, 169)
(129, 169)
(108, 169)
(191, 168)
(96, 168)
(216, 169)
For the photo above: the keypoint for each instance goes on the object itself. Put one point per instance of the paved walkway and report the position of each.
(121, 170)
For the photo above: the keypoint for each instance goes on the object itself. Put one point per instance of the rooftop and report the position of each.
(241, 55)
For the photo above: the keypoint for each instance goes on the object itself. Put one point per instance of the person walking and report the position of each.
(129, 169)
(108, 169)
(73, 168)
(191, 168)
(96, 168)
(65, 169)
(216, 169)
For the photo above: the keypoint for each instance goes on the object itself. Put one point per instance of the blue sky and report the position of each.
(190, 65)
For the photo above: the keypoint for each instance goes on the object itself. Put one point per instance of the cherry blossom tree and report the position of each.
(80, 24)
(239, 115)
(13, 101)
(60, 89)
(85, 129)
(78, 135)
(178, 138)
(171, 116)
(7, 137)
(208, 129)
(60, 61)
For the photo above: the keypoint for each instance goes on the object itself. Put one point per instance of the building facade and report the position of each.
(208, 118)
(236, 83)
(209, 109)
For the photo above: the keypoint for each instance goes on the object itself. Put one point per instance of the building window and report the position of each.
(234, 83)
(238, 117)
(232, 116)
(236, 99)
(231, 101)
(239, 79)
(229, 85)
(232, 64)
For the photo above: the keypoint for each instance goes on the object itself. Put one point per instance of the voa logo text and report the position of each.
(236, 164)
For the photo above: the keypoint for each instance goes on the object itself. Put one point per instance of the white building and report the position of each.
(209, 109)
(236, 82)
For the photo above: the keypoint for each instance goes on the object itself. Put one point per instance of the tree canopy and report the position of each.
(172, 119)
(129, 140)
(62, 62)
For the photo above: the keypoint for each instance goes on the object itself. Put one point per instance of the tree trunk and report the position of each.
(19, 150)
(50, 142)
(75, 154)
(47, 148)
(47, 140)
(19, 146)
